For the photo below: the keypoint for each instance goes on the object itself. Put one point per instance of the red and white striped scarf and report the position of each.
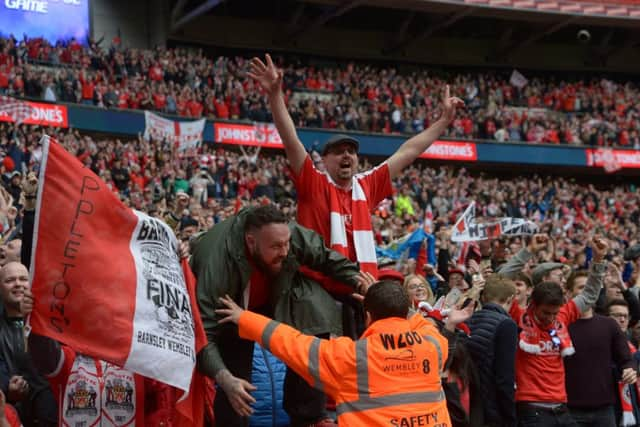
(626, 403)
(361, 221)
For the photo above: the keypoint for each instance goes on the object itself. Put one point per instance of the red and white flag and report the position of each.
(467, 229)
(107, 280)
(183, 135)
(518, 80)
(18, 110)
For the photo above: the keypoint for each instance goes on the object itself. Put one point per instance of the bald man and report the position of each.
(26, 389)
(14, 279)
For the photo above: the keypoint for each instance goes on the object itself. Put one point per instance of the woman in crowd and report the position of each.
(418, 290)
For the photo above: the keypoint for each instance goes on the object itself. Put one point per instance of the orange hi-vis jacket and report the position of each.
(389, 377)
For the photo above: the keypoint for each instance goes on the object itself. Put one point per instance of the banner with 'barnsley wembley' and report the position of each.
(467, 229)
(107, 281)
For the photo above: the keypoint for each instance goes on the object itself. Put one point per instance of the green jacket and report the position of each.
(220, 265)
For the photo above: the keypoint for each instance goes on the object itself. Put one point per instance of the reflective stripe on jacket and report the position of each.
(389, 377)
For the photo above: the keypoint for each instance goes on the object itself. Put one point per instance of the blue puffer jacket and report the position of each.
(268, 375)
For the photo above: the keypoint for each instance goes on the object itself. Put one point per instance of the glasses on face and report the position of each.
(621, 316)
(416, 286)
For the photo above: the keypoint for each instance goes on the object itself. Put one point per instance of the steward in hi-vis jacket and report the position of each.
(389, 377)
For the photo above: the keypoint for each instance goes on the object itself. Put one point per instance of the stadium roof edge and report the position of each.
(519, 8)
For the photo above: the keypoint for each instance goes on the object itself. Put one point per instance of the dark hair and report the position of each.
(521, 277)
(188, 222)
(386, 299)
(572, 279)
(264, 215)
(615, 302)
(547, 293)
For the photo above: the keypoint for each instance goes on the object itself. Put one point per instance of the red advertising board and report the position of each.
(266, 135)
(452, 150)
(262, 134)
(619, 159)
(43, 115)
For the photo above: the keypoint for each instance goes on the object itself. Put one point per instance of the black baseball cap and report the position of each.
(339, 139)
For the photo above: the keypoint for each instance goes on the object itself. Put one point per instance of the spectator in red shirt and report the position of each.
(4, 80)
(88, 87)
(540, 377)
(155, 73)
(222, 111)
(195, 108)
(8, 414)
(160, 99)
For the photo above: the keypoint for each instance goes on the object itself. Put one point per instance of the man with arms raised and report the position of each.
(544, 341)
(338, 203)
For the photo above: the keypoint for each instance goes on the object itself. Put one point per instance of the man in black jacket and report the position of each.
(493, 343)
(27, 390)
(600, 345)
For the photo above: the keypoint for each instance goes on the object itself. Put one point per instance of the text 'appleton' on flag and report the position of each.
(107, 280)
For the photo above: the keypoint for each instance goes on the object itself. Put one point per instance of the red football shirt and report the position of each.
(314, 210)
(540, 377)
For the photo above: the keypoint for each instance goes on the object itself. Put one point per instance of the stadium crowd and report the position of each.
(590, 110)
(219, 182)
(514, 322)
(147, 176)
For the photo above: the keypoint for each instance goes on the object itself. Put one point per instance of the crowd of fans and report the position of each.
(147, 175)
(355, 96)
(200, 188)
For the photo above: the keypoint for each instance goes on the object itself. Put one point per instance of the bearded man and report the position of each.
(254, 258)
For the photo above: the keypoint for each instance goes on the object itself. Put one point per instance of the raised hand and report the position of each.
(457, 316)
(30, 184)
(269, 77)
(538, 243)
(600, 248)
(26, 303)
(473, 267)
(449, 105)
(182, 203)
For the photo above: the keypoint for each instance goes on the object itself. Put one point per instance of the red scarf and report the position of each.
(427, 311)
(556, 335)
(626, 404)
(365, 247)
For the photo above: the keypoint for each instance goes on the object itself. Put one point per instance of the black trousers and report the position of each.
(530, 416)
(303, 403)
